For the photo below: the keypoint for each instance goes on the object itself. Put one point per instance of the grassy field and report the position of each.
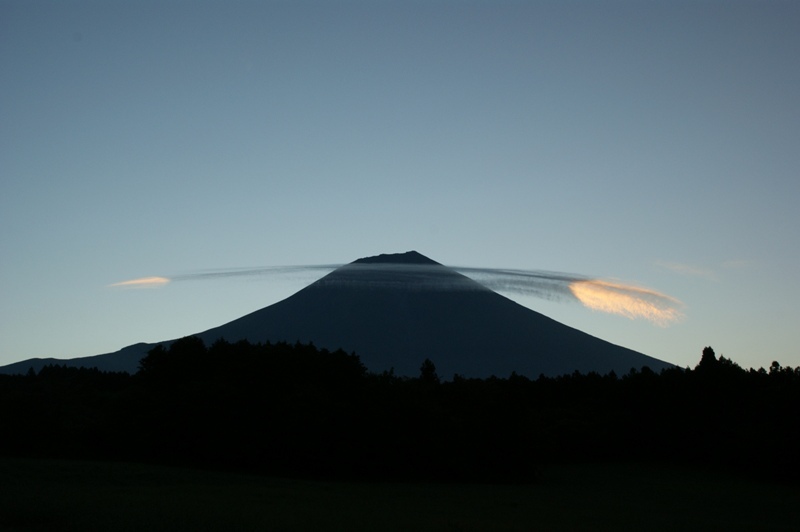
(87, 496)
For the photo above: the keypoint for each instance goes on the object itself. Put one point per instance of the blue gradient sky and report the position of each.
(650, 142)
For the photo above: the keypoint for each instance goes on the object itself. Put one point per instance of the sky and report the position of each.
(654, 144)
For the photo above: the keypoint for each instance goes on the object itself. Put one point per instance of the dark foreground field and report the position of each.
(64, 495)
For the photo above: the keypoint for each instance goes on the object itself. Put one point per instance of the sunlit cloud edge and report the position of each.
(142, 282)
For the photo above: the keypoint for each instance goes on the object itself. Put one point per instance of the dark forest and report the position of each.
(300, 411)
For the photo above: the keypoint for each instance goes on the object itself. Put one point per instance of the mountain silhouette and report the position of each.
(396, 310)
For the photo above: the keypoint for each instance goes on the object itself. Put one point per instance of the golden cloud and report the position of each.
(626, 300)
(144, 282)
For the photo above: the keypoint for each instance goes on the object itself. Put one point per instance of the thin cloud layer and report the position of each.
(270, 271)
(687, 269)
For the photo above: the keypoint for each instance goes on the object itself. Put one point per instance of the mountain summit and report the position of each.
(409, 257)
(396, 310)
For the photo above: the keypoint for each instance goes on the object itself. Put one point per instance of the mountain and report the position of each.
(395, 311)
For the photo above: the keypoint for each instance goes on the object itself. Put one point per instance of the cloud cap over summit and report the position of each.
(396, 310)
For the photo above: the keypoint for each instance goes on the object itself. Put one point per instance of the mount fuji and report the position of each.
(394, 311)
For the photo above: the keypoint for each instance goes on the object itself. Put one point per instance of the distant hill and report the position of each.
(396, 310)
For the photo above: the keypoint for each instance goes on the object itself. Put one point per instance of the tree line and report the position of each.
(294, 409)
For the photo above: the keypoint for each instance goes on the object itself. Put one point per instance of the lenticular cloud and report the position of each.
(612, 297)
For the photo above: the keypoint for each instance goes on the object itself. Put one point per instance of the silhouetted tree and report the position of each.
(427, 372)
(708, 361)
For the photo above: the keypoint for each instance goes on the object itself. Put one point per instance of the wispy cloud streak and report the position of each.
(687, 269)
(306, 272)
(543, 284)
(270, 271)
